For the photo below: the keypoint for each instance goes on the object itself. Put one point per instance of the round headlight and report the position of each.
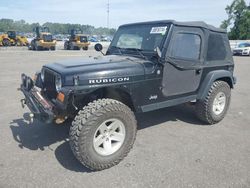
(58, 82)
(42, 75)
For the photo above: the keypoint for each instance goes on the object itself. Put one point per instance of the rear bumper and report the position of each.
(38, 105)
(47, 44)
(81, 44)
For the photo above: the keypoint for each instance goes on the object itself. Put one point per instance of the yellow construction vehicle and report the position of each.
(12, 39)
(76, 41)
(43, 40)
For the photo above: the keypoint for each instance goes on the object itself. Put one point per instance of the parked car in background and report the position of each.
(93, 39)
(105, 38)
(242, 49)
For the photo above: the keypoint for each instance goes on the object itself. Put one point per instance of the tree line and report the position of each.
(237, 24)
(238, 21)
(55, 28)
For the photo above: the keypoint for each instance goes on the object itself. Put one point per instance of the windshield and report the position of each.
(140, 37)
(11, 34)
(244, 45)
(83, 39)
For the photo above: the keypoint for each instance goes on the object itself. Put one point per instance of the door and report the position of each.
(182, 70)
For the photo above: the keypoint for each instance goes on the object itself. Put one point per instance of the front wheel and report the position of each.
(66, 45)
(52, 48)
(103, 133)
(214, 107)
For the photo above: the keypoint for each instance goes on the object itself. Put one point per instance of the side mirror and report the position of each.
(158, 51)
(98, 47)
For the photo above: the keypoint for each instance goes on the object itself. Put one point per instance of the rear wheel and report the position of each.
(6, 42)
(214, 107)
(71, 46)
(103, 133)
(32, 45)
(37, 48)
(18, 43)
(66, 45)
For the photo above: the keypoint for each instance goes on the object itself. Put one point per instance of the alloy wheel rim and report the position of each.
(109, 137)
(219, 103)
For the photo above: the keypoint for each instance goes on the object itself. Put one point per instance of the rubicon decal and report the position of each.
(109, 80)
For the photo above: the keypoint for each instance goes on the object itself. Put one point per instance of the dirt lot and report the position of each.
(173, 148)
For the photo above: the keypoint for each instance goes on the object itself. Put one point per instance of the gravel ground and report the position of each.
(172, 149)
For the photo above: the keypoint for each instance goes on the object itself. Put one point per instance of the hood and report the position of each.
(109, 69)
(242, 48)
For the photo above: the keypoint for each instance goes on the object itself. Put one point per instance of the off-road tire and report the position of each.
(18, 43)
(6, 42)
(71, 46)
(66, 45)
(204, 108)
(87, 122)
(38, 48)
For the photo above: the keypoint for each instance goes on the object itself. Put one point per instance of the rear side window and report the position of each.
(186, 46)
(216, 48)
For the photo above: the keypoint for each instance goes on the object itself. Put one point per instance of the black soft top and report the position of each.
(187, 24)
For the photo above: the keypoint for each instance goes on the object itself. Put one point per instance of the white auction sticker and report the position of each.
(158, 30)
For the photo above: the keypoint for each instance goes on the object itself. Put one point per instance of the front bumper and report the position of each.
(42, 109)
(241, 53)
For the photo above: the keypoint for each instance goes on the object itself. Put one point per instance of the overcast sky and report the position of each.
(94, 12)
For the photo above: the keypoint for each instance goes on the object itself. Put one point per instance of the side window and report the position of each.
(186, 46)
(216, 48)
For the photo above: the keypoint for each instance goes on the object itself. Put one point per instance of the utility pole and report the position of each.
(108, 15)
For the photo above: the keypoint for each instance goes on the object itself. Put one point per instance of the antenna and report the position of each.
(108, 15)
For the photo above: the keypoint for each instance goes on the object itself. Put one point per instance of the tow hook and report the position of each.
(23, 103)
(29, 118)
(60, 120)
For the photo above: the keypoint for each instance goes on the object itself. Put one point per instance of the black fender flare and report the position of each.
(211, 78)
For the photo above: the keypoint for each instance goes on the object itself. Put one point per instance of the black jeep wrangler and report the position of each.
(148, 66)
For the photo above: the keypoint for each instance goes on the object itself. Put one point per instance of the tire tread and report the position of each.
(203, 106)
(94, 110)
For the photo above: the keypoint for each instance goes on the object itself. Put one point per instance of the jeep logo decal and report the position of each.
(108, 80)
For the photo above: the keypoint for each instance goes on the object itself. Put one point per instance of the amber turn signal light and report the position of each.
(61, 97)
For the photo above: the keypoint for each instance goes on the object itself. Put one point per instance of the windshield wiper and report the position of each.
(139, 51)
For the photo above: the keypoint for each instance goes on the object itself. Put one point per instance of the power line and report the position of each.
(108, 14)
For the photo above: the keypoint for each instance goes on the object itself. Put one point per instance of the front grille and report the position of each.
(49, 84)
(238, 51)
